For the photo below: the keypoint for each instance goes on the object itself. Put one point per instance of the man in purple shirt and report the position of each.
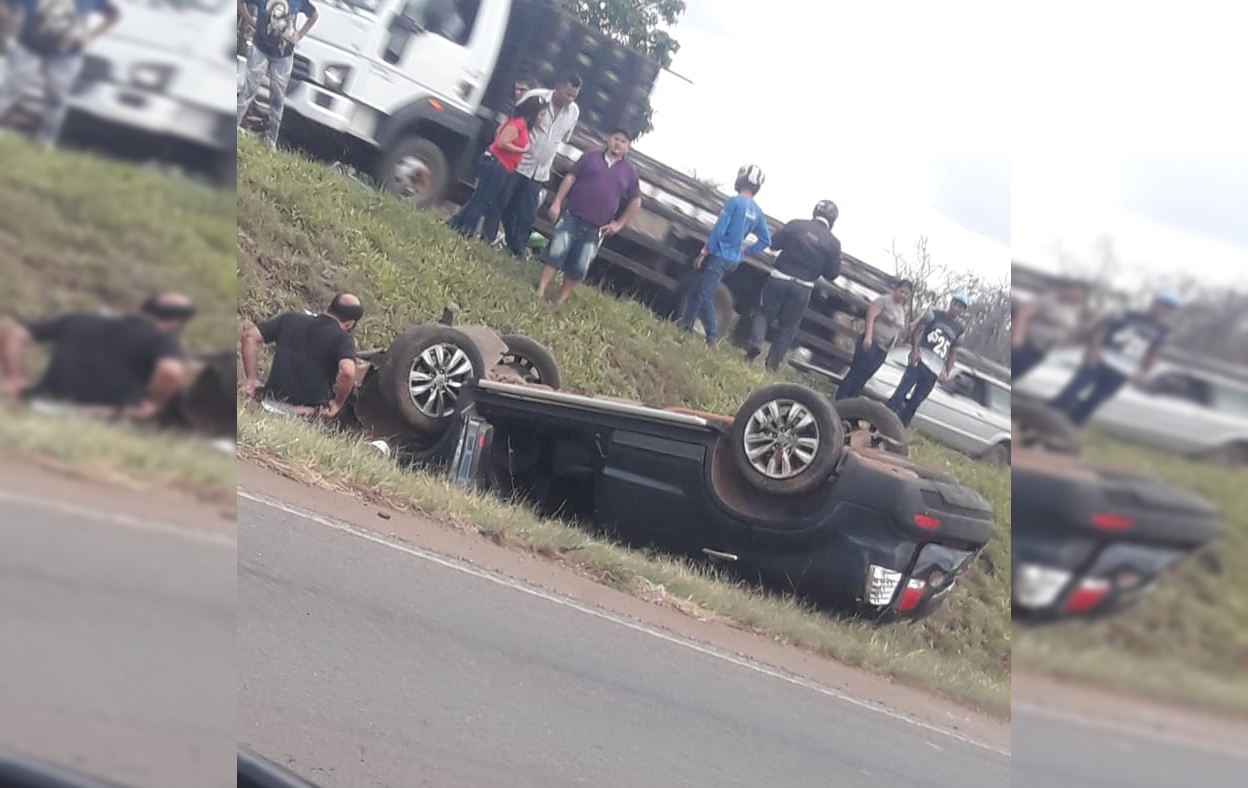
(592, 192)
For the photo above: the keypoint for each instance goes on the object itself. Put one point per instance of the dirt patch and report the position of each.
(656, 608)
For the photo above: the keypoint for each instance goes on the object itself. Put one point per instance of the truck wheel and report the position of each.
(415, 170)
(725, 305)
(1037, 426)
(787, 439)
(426, 367)
(870, 424)
(532, 360)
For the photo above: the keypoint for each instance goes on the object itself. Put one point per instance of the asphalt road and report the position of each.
(117, 646)
(1053, 751)
(362, 665)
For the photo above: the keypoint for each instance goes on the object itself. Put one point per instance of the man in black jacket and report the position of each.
(808, 250)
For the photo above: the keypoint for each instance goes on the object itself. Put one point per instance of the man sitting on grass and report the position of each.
(130, 365)
(313, 368)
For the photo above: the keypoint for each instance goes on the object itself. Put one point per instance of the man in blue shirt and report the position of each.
(272, 50)
(51, 38)
(725, 247)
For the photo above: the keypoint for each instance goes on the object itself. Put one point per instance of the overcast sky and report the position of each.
(900, 124)
(1137, 132)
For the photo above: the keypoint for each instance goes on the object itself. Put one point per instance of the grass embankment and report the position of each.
(305, 232)
(1188, 642)
(82, 233)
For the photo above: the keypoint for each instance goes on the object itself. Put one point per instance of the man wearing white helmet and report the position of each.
(808, 250)
(933, 351)
(724, 248)
(1122, 349)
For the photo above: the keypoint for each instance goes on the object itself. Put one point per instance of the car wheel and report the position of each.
(415, 170)
(871, 425)
(1037, 426)
(531, 360)
(998, 456)
(426, 368)
(787, 439)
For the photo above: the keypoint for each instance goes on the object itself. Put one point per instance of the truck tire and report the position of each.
(725, 305)
(881, 428)
(1037, 426)
(425, 368)
(532, 359)
(786, 439)
(415, 170)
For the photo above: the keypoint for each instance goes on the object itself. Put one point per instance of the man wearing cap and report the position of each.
(314, 363)
(1122, 349)
(933, 352)
(586, 209)
(130, 365)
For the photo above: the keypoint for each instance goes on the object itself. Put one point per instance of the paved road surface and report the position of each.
(117, 647)
(362, 665)
(1052, 751)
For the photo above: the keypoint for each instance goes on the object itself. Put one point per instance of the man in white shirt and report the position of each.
(519, 205)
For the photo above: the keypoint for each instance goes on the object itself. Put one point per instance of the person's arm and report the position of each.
(950, 359)
(576, 118)
(506, 139)
(313, 15)
(168, 377)
(868, 330)
(726, 215)
(565, 186)
(916, 337)
(249, 341)
(14, 338)
(1020, 322)
(344, 382)
(634, 205)
(762, 233)
(782, 236)
(832, 264)
(1092, 352)
(111, 14)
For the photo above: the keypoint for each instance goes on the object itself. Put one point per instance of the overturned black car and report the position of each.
(788, 492)
(1087, 539)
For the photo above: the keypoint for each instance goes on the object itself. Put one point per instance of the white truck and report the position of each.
(164, 76)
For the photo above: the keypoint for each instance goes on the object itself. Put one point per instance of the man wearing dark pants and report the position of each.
(314, 363)
(808, 250)
(130, 365)
(1123, 349)
(524, 186)
(933, 351)
(885, 318)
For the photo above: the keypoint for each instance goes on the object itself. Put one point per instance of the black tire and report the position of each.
(435, 164)
(406, 353)
(887, 433)
(1037, 426)
(532, 359)
(825, 428)
(998, 456)
(725, 305)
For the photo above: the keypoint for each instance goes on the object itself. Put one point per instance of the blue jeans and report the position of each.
(491, 176)
(1089, 389)
(866, 363)
(519, 213)
(917, 381)
(700, 304)
(573, 247)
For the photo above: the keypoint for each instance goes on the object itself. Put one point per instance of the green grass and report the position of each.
(1188, 642)
(305, 232)
(78, 232)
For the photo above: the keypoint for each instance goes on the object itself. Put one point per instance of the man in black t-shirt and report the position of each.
(314, 361)
(272, 50)
(933, 352)
(132, 364)
(1122, 349)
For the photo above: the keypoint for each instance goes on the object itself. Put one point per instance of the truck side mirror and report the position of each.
(401, 23)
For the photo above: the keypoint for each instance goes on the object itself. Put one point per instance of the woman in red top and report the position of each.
(500, 160)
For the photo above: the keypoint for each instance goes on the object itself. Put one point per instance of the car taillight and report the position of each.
(926, 521)
(912, 595)
(1087, 595)
(1111, 522)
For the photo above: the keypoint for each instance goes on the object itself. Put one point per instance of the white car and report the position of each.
(970, 413)
(1185, 411)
